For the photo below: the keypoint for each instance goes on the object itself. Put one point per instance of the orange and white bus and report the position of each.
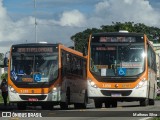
(46, 75)
(121, 67)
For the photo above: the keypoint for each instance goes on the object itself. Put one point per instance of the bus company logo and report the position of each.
(116, 85)
(6, 114)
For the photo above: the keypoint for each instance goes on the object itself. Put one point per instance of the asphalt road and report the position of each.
(125, 111)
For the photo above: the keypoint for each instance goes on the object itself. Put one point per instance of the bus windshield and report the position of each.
(34, 64)
(110, 59)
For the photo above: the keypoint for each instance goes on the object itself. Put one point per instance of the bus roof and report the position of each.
(117, 34)
(33, 44)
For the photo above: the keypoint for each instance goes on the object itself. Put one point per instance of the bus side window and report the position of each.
(6, 61)
(63, 61)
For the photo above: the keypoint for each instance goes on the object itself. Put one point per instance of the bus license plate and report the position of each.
(116, 94)
(32, 99)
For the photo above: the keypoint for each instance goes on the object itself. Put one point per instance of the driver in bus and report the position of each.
(135, 58)
(29, 70)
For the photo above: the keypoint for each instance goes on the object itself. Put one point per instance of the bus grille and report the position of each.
(109, 92)
(26, 97)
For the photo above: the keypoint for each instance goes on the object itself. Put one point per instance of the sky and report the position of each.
(58, 20)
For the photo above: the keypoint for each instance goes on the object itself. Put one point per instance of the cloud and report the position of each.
(101, 6)
(49, 30)
(3, 13)
(72, 18)
(138, 11)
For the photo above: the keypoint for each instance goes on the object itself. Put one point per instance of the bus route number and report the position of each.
(106, 85)
(24, 91)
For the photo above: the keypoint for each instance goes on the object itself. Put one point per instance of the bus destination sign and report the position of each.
(35, 50)
(117, 39)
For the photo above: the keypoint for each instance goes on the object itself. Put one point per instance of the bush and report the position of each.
(158, 98)
(4, 75)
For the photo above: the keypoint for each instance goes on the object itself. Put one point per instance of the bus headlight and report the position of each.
(54, 90)
(92, 83)
(141, 83)
(12, 89)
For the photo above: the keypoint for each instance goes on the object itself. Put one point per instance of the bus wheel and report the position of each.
(98, 104)
(144, 102)
(77, 105)
(151, 102)
(81, 105)
(21, 106)
(114, 103)
(84, 104)
(107, 104)
(64, 105)
(47, 107)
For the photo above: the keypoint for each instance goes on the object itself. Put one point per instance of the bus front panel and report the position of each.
(33, 71)
(117, 66)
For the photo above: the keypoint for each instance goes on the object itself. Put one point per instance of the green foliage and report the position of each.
(1, 59)
(1, 99)
(158, 84)
(158, 98)
(4, 75)
(81, 38)
(155, 118)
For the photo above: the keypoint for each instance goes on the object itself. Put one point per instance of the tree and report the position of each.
(81, 39)
(1, 59)
(4, 75)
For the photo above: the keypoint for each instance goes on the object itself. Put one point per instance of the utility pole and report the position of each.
(35, 21)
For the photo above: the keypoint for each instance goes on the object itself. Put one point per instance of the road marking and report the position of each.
(16, 118)
(103, 108)
(82, 110)
(146, 118)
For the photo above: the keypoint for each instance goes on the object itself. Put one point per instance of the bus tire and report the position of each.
(98, 104)
(151, 102)
(144, 102)
(64, 105)
(47, 106)
(77, 105)
(21, 106)
(114, 104)
(107, 104)
(82, 105)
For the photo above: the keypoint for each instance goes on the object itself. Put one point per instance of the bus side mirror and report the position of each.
(5, 62)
